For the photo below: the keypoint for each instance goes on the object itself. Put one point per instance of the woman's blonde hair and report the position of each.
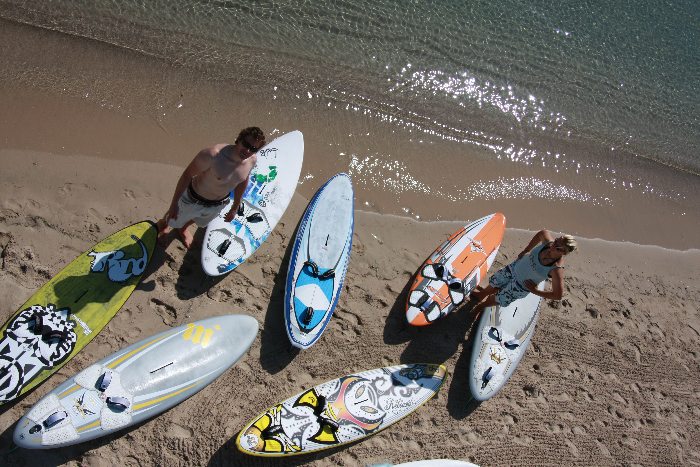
(569, 243)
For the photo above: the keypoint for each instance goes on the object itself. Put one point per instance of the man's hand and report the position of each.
(230, 215)
(172, 213)
(531, 286)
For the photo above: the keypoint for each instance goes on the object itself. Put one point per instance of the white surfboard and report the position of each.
(319, 261)
(501, 339)
(272, 183)
(136, 383)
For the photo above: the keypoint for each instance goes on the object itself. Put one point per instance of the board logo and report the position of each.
(118, 268)
(81, 407)
(198, 334)
(37, 339)
(496, 356)
(476, 247)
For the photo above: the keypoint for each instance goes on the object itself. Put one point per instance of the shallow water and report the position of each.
(583, 118)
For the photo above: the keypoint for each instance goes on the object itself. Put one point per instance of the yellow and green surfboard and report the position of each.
(67, 312)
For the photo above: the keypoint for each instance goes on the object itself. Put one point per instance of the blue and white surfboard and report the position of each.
(319, 261)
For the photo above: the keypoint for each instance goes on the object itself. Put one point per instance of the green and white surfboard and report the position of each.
(67, 312)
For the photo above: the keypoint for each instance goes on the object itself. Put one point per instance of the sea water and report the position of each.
(584, 111)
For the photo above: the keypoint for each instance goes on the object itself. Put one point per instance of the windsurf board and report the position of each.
(445, 279)
(69, 310)
(319, 261)
(501, 339)
(341, 411)
(271, 186)
(136, 383)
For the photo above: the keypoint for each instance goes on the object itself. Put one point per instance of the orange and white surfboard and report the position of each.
(445, 279)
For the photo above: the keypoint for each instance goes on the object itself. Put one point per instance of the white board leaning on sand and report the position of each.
(137, 383)
(319, 261)
(501, 339)
(272, 183)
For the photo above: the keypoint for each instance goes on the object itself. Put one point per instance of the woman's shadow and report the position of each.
(437, 343)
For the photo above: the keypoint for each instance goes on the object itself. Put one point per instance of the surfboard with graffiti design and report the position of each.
(446, 278)
(272, 183)
(136, 383)
(67, 312)
(341, 411)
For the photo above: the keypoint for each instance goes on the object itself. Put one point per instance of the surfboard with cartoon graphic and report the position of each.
(67, 312)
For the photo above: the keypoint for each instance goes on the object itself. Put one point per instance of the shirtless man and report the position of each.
(203, 188)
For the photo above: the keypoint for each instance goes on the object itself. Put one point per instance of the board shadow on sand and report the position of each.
(276, 352)
(460, 403)
(396, 328)
(439, 342)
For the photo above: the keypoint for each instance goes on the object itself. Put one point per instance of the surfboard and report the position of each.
(445, 279)
(501, 339)
(319, 261)
(67, 312)
(272, 183)
(136, 383)
(341, 411)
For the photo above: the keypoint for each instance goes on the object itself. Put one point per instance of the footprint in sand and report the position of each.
(572, 448)
(604, 451)
(167, 312)
(179, 431)
(69, 188)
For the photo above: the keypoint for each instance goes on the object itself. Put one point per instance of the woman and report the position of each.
(543, 257)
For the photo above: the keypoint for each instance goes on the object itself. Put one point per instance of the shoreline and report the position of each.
(166, 113)
(14, 156)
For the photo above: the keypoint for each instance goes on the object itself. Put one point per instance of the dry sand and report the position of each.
(611, 376)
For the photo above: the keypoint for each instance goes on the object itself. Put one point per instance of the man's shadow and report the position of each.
(191, 281)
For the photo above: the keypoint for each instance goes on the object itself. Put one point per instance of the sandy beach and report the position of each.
(611, 377)
(95, 131)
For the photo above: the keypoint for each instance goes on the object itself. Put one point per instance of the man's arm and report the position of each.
(200, 163)
(237, 198)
